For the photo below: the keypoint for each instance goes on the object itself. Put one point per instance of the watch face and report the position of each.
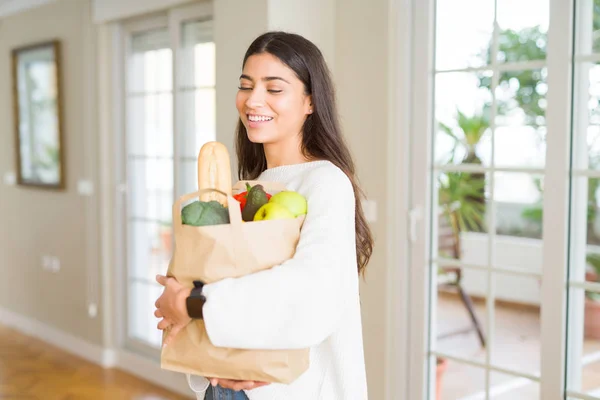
(194, 306)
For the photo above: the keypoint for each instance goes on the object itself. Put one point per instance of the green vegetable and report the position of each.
(202, 213)
(256, 198)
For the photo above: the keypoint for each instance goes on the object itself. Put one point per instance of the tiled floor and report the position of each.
(516, 347)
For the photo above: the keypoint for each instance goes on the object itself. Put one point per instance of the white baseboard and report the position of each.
(150, 370)
(65, 341)
(134, 364)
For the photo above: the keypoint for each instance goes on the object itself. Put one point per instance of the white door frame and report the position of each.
(398, 201)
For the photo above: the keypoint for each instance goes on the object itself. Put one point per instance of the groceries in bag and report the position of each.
(228, 232)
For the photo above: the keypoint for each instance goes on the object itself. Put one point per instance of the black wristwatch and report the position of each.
(195, 301)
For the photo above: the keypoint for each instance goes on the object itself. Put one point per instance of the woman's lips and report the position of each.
(256, 121)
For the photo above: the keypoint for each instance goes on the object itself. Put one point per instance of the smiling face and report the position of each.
(271, 101)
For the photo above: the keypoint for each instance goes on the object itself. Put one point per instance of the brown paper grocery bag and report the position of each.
(212, 253)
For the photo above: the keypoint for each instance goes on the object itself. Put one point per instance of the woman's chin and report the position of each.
(255, 136)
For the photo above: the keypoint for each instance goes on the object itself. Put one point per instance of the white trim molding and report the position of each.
(398, 201)
(11, 7)
(56, 337)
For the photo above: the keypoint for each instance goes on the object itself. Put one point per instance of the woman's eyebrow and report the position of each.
(265, 79)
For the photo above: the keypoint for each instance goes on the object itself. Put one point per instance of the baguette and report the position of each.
(214, 171)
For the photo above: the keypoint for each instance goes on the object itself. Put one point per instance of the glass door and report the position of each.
(150, 176)
(505, 261)
(169, 113)
(583, 350)
(487, 177)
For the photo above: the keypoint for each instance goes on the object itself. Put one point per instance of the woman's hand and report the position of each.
(236, 385)
(171, 307)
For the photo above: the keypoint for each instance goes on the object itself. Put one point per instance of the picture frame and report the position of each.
(38, 115)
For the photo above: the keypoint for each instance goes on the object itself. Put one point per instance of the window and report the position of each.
(504, 293)
(169, 114)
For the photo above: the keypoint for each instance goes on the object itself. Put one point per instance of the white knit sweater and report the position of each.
(311, 300)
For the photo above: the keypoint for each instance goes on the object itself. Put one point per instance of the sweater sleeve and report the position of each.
(298, 303)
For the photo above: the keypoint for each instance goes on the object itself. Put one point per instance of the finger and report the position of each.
(245, 385)
(237, 385)
(214, 381)
(158, 313)
(162, 279)
(172, 333)
(260, 384)
(225, 383)
(163, 324)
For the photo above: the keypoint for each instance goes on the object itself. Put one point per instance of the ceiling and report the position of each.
(8, 7)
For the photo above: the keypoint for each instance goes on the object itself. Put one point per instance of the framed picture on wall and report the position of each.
(37, 99)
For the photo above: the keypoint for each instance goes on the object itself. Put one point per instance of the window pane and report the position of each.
(518, 207)
(461, 315)
(150, 248)
(198, 54)
(521, 97)
(150, 62)
(461, 210)
(523, 30)
(142, 323)
(148, 174)
(199, 124)
(188, 176)
(584, 347)
(520, 135)
(587, 117)
(508, 387)
(520, 146)
(462, 105)
(459, 381)
(516, 345)
(587, 30)
(150, 125)
(463, 33)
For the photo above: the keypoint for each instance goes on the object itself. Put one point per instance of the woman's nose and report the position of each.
(255, 100)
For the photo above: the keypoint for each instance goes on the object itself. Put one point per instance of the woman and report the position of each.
(289, 132)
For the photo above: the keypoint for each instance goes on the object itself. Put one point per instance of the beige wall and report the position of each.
(35, 222)
(360, 73)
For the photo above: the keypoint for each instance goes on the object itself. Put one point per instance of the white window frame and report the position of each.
(556, 216)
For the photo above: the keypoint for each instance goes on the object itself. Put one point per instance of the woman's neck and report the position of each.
(284, 153)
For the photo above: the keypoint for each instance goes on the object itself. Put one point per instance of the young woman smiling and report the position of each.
(288, 131)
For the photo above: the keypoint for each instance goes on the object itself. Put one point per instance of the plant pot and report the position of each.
(592, 319)
(441, 366)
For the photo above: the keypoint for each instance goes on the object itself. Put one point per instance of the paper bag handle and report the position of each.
(233, 206)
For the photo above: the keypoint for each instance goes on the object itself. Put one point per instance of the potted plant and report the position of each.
(461, 196)
(471, 130)
(441, 366)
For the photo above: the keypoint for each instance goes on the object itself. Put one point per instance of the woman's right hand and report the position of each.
(236, 385)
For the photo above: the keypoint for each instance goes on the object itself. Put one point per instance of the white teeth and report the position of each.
(257, 118)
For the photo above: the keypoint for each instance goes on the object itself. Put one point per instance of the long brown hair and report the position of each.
(321, 133)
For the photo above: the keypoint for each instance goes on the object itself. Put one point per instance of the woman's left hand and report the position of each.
(236, 385)
(171, 307)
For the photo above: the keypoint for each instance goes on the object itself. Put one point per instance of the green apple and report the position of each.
(293, 201)
(271, 211)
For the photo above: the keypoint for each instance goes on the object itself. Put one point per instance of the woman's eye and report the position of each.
(244, 88)
(274, 91)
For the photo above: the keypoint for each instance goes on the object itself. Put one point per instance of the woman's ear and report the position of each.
(309, 105)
